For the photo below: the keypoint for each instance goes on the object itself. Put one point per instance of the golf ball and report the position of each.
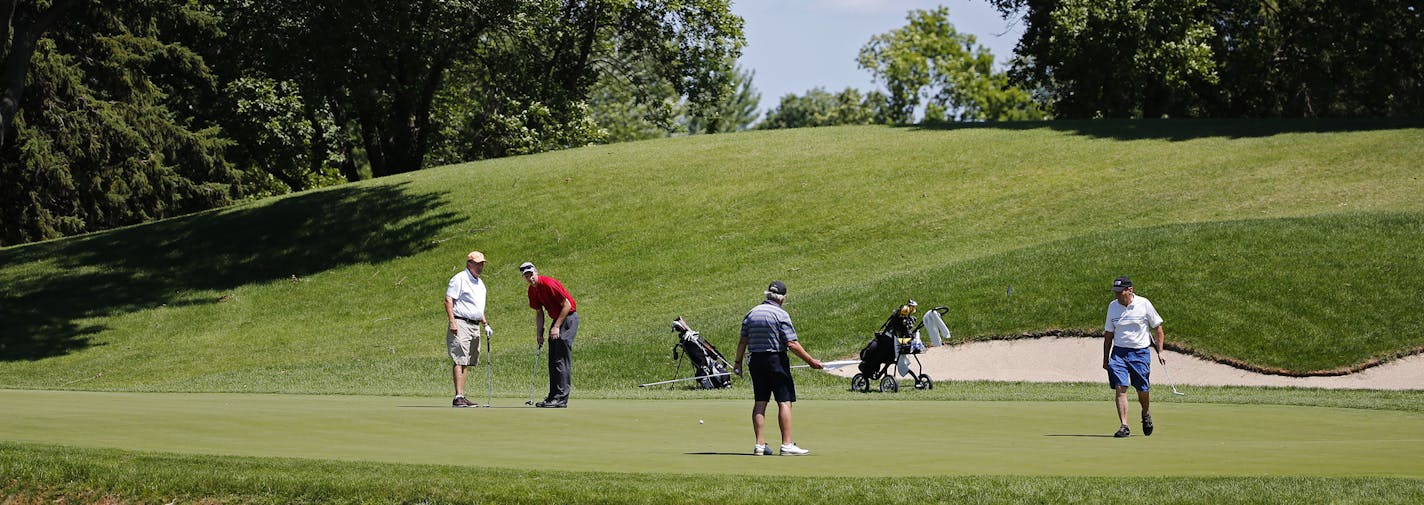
(699, 421)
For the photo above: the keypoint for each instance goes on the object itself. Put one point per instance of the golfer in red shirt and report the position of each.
(547, 295)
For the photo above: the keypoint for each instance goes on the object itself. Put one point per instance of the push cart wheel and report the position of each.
(888, 384)
(924, 382)
(858, 383)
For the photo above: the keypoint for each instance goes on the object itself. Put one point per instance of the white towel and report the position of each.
(934, 325)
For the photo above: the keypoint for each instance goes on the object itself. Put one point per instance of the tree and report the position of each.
(819, 107)
(1307, 58)
(523, 68)
(1221, 58)
(98, 139)
(286, 146)
(632, 103)
(929, 60)
(735, 113)
(1116, 58)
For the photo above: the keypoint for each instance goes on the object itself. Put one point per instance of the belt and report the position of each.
(468, 320)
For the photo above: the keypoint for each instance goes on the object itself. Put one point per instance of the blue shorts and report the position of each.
(1132, 366)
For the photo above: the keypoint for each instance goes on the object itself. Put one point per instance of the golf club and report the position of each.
(489, 374)
(685, 379)
(532, 369)
(832, 364)
(1169, 382)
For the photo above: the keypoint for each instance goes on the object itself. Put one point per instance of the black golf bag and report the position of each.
(880, 352)
(707, 361)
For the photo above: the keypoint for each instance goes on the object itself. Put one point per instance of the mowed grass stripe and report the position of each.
(849, 438)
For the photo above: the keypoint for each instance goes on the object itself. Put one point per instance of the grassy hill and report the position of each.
(1288, 245)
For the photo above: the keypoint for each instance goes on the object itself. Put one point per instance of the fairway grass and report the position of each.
(848, 438)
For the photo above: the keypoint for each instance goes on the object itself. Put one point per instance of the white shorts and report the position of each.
(464, 344)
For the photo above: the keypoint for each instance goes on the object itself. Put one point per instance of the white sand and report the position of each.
(1080, 360)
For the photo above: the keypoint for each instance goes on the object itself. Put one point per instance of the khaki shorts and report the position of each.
(464, 344)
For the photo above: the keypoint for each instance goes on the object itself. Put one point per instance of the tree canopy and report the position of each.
(100, 136)
(1221, 58)
(928, 61)
(819, 107)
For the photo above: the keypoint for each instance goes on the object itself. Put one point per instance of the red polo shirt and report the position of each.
(549, 294)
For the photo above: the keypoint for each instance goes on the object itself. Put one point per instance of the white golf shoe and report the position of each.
(792, 450)
(761, 450)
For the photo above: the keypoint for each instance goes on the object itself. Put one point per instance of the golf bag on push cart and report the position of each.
(897, 342)
(707, 361)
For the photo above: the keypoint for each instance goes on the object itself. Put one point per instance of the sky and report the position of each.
(796, 45)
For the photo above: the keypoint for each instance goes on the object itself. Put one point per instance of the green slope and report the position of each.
(1282, 244)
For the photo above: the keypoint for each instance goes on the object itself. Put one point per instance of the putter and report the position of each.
(489, 374)
(532, 370)
(1169, 382)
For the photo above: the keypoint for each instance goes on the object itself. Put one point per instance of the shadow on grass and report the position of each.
(163, 263)
(1189, 129)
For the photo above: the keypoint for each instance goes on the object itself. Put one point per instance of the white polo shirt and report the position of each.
(1131, 325)
(468, 292)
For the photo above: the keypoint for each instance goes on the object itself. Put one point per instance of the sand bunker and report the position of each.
(1076, 359)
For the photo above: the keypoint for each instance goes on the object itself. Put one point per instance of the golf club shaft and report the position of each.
(831, 364)
(532, 370)
(489, 372)
(685, 379)
(677, 369)
(1169, 382)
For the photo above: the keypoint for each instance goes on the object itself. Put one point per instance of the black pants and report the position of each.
(561, 360)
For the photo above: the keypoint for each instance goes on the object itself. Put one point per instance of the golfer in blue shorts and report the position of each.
(1132, 329)
(768, 333)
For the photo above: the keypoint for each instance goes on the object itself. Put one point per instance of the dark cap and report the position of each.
(1121, 284)
(777, 288)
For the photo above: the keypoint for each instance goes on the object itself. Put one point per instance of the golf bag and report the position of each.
(896, 344)
(707, 361)
(881, 351)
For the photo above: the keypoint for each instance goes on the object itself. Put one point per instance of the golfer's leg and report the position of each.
(553, 366)
(759, 421)
(783, 419)
(457, 372)
(559, 383)
(566, 338)
(1145, 399)
(1121, 405)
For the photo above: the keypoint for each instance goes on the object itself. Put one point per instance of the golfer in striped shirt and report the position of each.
(768, 333)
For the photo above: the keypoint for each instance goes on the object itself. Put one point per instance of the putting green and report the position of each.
(864, 438)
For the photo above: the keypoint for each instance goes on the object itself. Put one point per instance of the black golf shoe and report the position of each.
(1122, 432)
(552, 405)
(461, 402)
(1147, 424)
